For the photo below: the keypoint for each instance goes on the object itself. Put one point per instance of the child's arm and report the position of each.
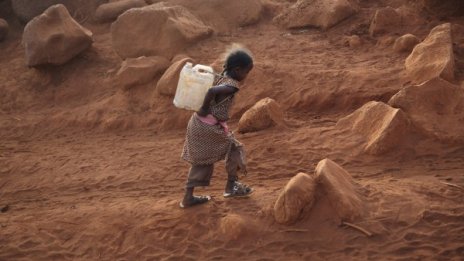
(221, 92)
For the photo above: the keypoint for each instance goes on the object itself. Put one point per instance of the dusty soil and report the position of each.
(92, 172)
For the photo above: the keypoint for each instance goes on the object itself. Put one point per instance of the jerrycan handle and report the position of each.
(202, 68)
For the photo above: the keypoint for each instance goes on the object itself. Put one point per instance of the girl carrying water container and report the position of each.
(208, 139)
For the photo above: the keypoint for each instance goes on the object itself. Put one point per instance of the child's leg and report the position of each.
(199, 175)
(234, 161)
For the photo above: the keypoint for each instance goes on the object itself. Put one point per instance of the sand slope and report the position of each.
(89, 171)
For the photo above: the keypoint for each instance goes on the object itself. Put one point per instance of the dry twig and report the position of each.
(367, 233)
(452, 185)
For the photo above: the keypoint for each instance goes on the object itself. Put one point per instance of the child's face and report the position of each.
(242, 72)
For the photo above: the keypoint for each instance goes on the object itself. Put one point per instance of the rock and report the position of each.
(385, 41)
(433, 57)
(25, 10)
(381, 127)
(340, 189)
(317, 13)
(298, 194)
(54, 37)
(160, 30)
(385, 20)
(111, 11)
(436, 107)
(264, 114)
(353, 41)
(3, 29)
(136, 71)
(223, 15)
(405, 43)
(167, 84)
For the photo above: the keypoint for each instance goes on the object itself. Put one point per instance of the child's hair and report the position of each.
(237, 56)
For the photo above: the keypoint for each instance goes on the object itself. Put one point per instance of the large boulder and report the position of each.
(264, 114)
(167, 84)
(299, 194)
(110, 11)
(380, 127)
(405, 43)
(136, 71)
(436, 107)
(25, 10)
(159, 30)
(3, 29)
(54, 37)
(317, 13)
(433, 57)
(340, 190)
(222, 15)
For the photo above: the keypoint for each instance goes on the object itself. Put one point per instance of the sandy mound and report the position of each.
(136, 71)
(298, 194)
(318, 13)
(405, 43)
(436, 107)
(167, 85)
(340, 190)
(110, 11)
(234, 226)
(264, 114)
(433, 57)
(166, 31)
(54, 37)
(381, 127)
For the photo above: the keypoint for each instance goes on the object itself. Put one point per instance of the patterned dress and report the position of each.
(206, 144)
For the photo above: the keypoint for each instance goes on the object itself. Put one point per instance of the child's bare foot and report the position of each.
(237, 189)
(193, 201)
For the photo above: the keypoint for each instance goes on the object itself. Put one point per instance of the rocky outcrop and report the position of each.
(160, 30)
(433, 57)
(436, 107)
(54, 37)
(264, 114)
(405, 43)
(330, 185)
(136, 71)
(380, 127)
(167, 84)
(110, 11)
(298, 194)
(318, 13)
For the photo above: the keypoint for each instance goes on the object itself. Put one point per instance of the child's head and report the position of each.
(238, 63)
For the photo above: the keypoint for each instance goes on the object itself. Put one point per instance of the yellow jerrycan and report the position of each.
(194, 82)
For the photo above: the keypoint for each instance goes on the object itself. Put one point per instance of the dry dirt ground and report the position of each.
(92, 172)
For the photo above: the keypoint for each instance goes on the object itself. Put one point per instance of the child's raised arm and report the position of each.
(221, 91)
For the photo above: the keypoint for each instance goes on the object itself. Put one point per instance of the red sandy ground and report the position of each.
(92, 172)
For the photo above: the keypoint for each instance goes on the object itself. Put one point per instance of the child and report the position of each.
(208, 139)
